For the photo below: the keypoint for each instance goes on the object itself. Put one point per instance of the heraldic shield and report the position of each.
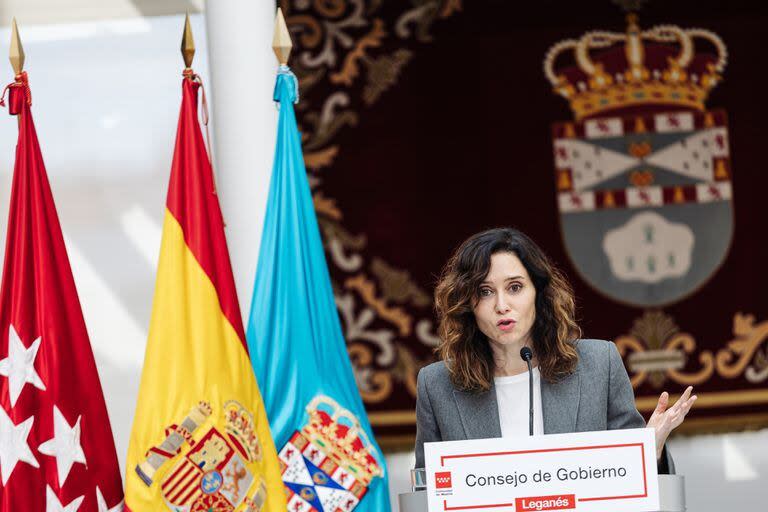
(643, 175)
(329, 464)
(211, 460)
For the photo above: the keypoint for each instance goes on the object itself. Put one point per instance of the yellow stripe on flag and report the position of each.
(195, 357)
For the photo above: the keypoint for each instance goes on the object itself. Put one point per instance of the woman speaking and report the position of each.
(499, 293)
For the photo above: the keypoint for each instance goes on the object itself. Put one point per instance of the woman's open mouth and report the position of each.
(506, 324)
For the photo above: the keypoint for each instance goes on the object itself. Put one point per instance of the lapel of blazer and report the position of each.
(560, 404)
(479, 413)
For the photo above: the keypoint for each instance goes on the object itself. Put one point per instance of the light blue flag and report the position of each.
(298, 351)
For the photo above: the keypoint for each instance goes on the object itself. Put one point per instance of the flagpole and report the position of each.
(16, 56)
(187, 44)
(281, 40)
(244, 124)
(16, 53)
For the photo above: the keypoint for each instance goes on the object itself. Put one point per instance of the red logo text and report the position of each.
(557, 502)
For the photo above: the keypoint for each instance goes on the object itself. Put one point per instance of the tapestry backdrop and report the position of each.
(630, 148)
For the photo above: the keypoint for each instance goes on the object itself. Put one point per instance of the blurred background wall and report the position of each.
(423, 122)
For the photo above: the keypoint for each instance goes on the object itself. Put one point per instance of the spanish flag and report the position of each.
(200, 438)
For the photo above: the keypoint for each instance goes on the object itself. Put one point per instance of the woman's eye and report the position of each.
(516, 287)
(485, 292)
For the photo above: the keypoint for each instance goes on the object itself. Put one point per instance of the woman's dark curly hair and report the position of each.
(465, 348)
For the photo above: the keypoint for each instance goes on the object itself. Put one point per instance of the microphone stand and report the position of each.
(527, 354)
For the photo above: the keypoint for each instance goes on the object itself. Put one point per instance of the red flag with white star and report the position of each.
(56, 447)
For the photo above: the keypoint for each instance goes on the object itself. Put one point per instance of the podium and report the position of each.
(600, 471)
(671, 493)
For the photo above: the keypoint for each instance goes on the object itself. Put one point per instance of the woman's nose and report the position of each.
(501, 304)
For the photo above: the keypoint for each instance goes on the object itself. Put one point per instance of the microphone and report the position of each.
(527, 354)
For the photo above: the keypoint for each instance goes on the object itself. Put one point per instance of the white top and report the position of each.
(512, 399)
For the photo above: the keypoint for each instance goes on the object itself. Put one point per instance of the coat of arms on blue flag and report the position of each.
(329, 459)
(327, 465)
(643, 175)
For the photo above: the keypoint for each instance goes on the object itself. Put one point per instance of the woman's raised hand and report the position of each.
(664, 420)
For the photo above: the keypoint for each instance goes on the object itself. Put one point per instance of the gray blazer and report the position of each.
(597, 396)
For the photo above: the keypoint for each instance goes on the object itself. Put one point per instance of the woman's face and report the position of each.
(506, 305)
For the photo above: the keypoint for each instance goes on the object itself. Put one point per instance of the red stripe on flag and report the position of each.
(183, 491)
(189, 497)
(193, 201)
(173, 482)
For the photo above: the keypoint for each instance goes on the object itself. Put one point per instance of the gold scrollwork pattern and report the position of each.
(374, 385)
(748, 337)
(746, 354)
(688, 345)
(348, 47)
(625, 345)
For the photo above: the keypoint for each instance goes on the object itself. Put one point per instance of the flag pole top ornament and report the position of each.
(281, 41)
(18, 90)
(16, 53)
(187, 44)
(659, 66)
(340, 430)
(282, 45)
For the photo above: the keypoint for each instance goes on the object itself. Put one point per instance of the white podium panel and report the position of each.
(607, 471)
(671, 496)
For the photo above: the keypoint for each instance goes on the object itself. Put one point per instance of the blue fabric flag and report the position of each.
(298, 351)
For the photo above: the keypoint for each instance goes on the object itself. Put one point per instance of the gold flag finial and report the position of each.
(187, 44)
(16, 55)
(281, 42)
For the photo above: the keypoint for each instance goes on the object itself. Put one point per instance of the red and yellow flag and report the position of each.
(200, 438)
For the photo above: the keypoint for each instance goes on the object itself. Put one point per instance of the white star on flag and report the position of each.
(65, 445)
(52, 503)
(19, 366)
(13, 444)
(102, 503)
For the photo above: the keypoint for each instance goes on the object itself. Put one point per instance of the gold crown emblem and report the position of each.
(241, 430)
(658, 66)
(338, 431)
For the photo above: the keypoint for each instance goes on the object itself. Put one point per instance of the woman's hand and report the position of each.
(664, 420)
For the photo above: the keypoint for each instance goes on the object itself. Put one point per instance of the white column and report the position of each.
(242, 68)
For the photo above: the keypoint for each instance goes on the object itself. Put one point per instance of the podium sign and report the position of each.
(611, 471)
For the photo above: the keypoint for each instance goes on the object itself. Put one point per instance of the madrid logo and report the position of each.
(643, 173)
(443, 480)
